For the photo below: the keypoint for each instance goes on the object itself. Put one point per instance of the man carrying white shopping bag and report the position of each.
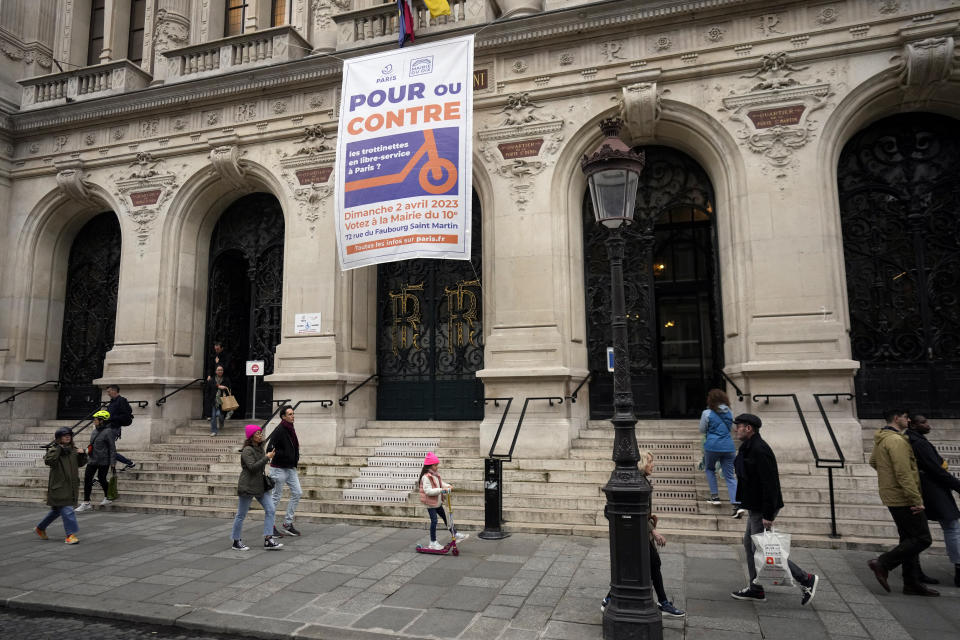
(758, 490)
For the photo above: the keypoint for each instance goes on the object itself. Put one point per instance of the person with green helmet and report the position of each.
(102, 455)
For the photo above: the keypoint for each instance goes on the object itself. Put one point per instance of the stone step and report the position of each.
(413, 444)
(441, 452)
(413, 430)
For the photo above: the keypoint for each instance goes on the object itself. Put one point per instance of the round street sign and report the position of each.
(254, 367)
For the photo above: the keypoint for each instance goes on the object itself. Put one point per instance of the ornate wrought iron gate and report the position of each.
(246, 285)
(900, 211)
(430, 336)
(89, 314)
(672, 292)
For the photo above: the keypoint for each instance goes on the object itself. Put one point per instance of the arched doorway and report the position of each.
(900, 213)
(246, 287)
(89, 314)
(672, 292)
(430, 336)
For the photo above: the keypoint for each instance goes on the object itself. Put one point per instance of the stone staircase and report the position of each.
(372, 476)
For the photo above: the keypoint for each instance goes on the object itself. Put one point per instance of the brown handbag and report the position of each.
(228, 403)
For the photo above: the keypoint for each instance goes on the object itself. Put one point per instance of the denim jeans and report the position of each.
(290, 478)
(434, 512)
(69, 519)
(951, 538)
(726, 459)
(215, 416)
(243, 505)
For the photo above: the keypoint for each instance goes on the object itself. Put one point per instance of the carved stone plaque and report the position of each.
(481, 79)
(145, 198)
(780, 116)
(314, 176)
(520, 149)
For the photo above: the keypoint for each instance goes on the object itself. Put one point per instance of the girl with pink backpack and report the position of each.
(432, 487)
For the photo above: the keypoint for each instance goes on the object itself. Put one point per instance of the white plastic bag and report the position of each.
(771, 549)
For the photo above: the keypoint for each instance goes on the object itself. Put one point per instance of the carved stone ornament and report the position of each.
(827, 15)
(143, 191)
(774, 71)
(226, 162)
(323, 11)
(308, 170)
(775, 116)
(71, 181)
(172, 30)
(521, 119)
(926, 62)
(640, 107)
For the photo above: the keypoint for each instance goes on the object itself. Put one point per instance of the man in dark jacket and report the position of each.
(102, 456)
(283, 468)
(936, 483)
(121, 415)
(758, 491)
(64, 460)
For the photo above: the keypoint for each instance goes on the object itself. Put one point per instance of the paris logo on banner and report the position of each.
(404, 154)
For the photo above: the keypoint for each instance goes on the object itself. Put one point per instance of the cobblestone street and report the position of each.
(346, 582)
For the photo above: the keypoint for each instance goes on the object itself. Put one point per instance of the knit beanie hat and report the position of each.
(251, 429)
(431, 459)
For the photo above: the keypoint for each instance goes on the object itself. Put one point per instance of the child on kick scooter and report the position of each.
(431, 488)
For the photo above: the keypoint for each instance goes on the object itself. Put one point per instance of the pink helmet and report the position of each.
(251, 429)
(431, 459)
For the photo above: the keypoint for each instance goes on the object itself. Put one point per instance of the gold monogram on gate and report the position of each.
(462, 306)
(406, 315)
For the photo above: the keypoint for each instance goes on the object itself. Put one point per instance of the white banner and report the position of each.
(404, 184)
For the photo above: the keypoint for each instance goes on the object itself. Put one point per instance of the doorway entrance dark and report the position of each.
(430, 336)
(89, 314)
(899, 199)
(672, 293)
(246, 285)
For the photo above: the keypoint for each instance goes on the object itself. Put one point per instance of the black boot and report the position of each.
(956, 575)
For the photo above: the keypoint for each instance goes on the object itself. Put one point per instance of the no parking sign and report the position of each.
(254, 367)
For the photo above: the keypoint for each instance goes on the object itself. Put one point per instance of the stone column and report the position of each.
(170, 30)
(323, 35)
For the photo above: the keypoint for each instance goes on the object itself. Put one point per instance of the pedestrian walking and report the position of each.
(219, 386)
(758, 491)
(716, 421)
(218, 359)
(283, 468)
(252, 484)
(63, 484)
(936, 483)
(121, 415)
(899, 483)
(101, 457)
(432, 487)
(656, 539)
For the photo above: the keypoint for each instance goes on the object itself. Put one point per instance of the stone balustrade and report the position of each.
(376, 24)
(248, 50)
(82, 84)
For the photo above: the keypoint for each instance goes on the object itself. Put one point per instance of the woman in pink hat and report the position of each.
(431, 488)
(252, 485)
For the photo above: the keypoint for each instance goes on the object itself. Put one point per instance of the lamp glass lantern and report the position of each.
(613, 173)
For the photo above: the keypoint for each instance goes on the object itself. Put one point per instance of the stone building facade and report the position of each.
(206, 136)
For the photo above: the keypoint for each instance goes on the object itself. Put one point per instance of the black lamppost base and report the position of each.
(493, 535)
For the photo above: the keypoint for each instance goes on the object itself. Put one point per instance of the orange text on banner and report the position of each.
(428, 238)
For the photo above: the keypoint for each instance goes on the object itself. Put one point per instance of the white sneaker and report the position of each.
(461, 536)
(436, 546)
(106, 502)
(84, 506)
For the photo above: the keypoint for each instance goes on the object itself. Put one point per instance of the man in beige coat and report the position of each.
(899, 482)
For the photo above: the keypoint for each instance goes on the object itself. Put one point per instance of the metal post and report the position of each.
(631, 613)
(493, 500)
(253, 411)
(833, 508)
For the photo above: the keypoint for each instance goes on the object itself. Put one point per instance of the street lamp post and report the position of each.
(613, 173)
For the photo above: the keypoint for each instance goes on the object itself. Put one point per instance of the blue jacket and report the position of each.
(716, 426)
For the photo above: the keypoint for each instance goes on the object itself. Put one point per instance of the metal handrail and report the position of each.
(88, 419)
(323, 403)
(280, 405)
(732, 383)
(163, 400)
(821, 463)
(349, 393)
(516, 434)
(36, 386)
(573, 396)
(503, 418)
(141, 404)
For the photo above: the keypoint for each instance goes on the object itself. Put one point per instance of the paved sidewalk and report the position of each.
(346, 582)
